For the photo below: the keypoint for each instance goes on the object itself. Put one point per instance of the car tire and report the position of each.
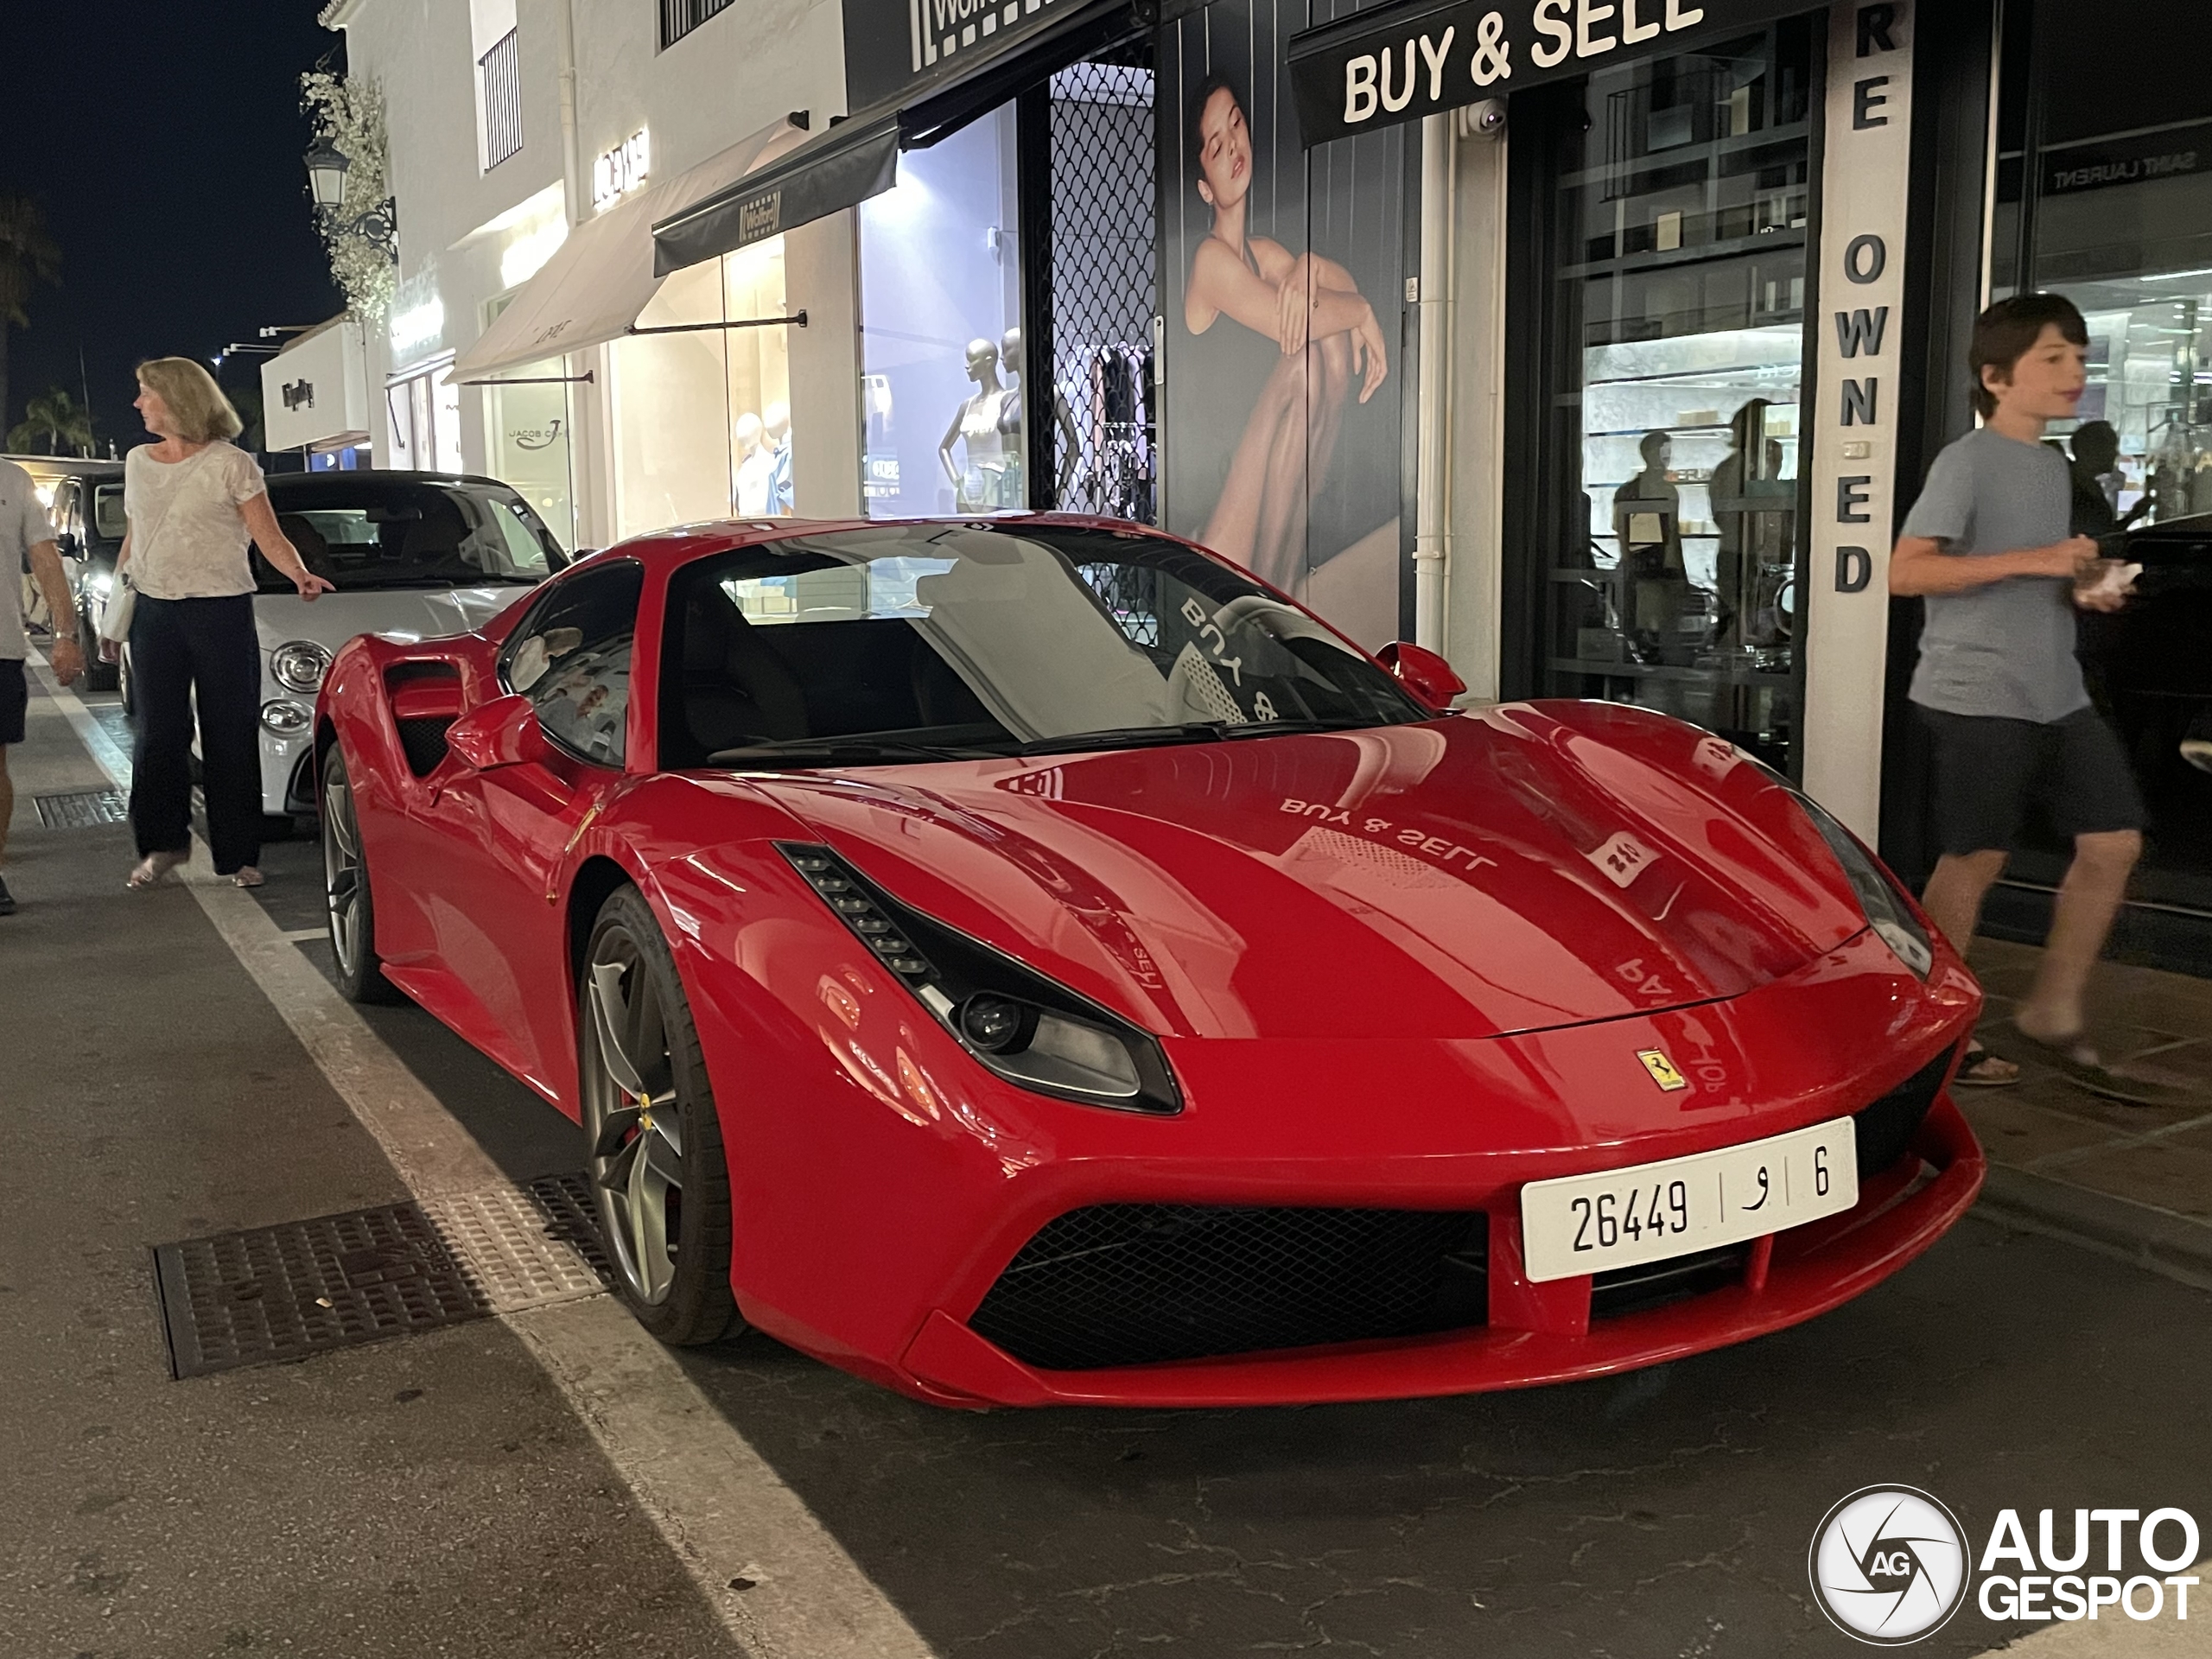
(98, 675)
(347, 904)
(652, 1139)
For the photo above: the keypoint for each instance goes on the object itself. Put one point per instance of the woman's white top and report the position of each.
(188, 538)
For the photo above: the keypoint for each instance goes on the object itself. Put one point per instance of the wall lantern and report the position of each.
(327, 166)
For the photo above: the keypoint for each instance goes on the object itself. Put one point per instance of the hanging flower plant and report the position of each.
(360, 236)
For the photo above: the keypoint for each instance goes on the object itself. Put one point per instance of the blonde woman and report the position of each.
(193, 502)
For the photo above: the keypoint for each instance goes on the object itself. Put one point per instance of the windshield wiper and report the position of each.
(817, 751)
(1191, 731)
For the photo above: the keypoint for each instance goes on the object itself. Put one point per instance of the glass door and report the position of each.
(1677, 204)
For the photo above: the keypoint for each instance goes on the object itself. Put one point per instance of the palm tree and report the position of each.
(56, 418)
(27, 256)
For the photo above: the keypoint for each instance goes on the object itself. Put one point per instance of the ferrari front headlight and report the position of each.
(299, 665)
(1029, 1029)
(1887, 909)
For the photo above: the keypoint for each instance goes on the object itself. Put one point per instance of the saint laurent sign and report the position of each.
(1398, 63)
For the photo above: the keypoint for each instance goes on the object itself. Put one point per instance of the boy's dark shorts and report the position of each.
(14, 699)
(1990, 771)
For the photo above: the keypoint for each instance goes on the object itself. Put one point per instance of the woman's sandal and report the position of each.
(152, 870)
(2079, 1064)
(1983, 1069)
(247, 877)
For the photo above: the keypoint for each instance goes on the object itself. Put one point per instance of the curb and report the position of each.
(2142, 1235)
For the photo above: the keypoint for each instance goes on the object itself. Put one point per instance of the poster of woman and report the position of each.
(1282, 405)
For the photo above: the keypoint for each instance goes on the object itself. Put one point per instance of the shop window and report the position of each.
(2105, 195)
(528, 436)
(424, 409)
(940, 313)
(1677, 194)
(701, 418)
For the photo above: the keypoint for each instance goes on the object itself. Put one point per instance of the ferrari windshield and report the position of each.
(369, 532)
(913, 642)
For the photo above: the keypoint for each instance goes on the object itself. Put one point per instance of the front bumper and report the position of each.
(1537, 1333)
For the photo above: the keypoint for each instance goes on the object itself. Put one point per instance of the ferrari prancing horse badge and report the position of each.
(1661, 1070)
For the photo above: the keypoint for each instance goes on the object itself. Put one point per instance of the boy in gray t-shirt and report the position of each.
(1998, 684)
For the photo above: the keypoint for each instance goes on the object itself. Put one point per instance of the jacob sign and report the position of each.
(1398, 63)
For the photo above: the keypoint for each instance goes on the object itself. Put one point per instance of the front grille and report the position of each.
(424, 740)
(1654, 1284)
(1884, 1130)
(1130, 1284)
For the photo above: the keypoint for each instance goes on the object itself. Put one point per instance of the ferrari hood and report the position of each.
(1532, 867)
(413, 612)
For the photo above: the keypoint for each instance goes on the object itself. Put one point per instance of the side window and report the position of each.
(64, 513)
(570, 655)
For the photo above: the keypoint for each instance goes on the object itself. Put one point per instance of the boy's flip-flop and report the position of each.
(1983, 1069)
(2080, 1066)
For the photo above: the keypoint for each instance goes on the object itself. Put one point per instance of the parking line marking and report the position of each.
(305, 935)
(710, 1495)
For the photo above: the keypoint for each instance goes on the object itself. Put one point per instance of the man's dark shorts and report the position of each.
(15, 698)
(1990, 772)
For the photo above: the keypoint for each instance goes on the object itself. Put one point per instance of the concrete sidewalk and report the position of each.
(434, 1495)
(2131, 1180)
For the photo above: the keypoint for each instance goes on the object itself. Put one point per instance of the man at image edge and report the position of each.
(25, 532)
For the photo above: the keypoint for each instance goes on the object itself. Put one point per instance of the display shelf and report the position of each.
(1610, 174)
(1734, 247)
(1779, 679)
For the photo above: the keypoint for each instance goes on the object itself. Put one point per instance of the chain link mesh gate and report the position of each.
(1094, 291)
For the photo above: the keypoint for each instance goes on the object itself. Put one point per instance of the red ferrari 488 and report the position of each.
(1029, 961)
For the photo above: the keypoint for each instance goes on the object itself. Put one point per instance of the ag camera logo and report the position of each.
(1889, 1565)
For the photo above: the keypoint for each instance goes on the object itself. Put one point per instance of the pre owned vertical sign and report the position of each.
(1865, 179)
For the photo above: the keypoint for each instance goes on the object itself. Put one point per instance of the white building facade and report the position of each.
(533, 138)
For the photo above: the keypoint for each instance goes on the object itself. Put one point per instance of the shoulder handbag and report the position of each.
(115, 615)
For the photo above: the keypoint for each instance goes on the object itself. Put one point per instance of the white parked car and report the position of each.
(414, 555)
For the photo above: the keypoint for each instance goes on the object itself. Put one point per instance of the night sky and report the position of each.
(164, 144)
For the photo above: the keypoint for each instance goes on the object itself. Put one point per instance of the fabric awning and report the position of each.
(845, 166)
(592, 287)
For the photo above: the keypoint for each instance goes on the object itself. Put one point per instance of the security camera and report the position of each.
(1484, 120)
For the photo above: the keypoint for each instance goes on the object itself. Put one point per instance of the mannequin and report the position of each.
(754, 464)
(1011, 413)
(777, 420)
(992, 478)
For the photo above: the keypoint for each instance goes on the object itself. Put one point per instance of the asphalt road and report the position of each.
(429, 1496)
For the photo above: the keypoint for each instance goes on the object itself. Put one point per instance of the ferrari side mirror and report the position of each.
(503, 732)
(1422, 672)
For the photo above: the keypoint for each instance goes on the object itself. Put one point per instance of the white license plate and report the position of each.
(1646, 1212)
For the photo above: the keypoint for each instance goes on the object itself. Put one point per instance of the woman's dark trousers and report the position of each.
(181, 649)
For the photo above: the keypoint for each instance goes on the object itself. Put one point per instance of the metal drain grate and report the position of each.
(283, 1292)
(523, 1247)
(82, 810)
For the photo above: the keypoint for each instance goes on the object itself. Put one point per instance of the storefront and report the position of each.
(1624, 460)
(686, 378)
(1001, 180)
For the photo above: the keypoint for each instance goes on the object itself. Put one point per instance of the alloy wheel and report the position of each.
(631, 1117)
